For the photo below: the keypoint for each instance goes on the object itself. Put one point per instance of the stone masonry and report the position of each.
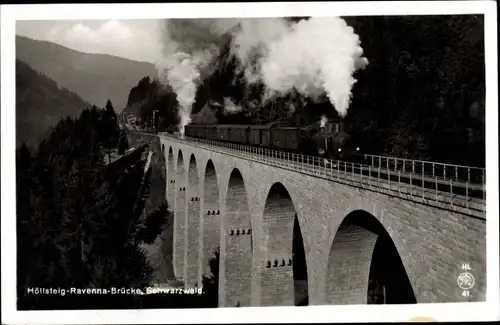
(210, 221)
(192, 226)
(255, 226)
(179, 218)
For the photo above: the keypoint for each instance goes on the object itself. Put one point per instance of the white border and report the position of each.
(369, 313)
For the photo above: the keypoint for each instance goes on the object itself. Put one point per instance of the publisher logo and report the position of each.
(465, 281)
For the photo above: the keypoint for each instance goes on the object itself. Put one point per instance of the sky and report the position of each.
(131, 39)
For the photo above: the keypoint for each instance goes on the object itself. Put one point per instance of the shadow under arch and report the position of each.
(191, 246)
(211, 220)
(284, 273)
(364, 266)
(179, 217)
(163, 147)
(238, 255)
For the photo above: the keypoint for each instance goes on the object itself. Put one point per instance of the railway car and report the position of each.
(199, 131)
(265, 137)
(255, 135)
(328, 141)
(287, 138)
(222, 132)
(210, 132)
(239, 134)
(189, 131)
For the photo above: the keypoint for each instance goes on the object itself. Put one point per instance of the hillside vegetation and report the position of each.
(94, 77)
(40, 104)
(82, 223)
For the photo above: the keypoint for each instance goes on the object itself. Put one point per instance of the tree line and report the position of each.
(76, 222)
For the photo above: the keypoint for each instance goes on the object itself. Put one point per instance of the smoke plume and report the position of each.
(188, 47)
(180, 71)
(314, 57)
(251, 41)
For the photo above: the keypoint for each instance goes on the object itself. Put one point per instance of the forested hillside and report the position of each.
(80, 222)
(40, 104)
(149, 94)
(94, 77)
(421, 95)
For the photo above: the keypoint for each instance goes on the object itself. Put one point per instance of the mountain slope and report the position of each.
(94, 77)
(40, 104)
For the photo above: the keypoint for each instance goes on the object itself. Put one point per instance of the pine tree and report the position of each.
(24, 195)
(109, 128)
(210, 298)
(73, 219)
(152, 226)
(123, 143)
(405, 140)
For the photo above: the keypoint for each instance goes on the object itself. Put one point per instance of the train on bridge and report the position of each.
(323, 139)
(328, 145)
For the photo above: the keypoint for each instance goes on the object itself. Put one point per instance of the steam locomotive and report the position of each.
(326, 140)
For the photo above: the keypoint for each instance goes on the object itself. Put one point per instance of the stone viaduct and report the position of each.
(262, 217)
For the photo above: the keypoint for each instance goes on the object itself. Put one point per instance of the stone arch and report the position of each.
(364, 265)
(192, 225)
(211, 220)
(179, 217)
(238, 249)
(284, 270)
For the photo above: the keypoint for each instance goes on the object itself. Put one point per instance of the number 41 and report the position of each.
(465, 293)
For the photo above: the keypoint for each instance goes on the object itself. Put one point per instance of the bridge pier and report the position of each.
(171, 176)
(237, 246)
(210, 222)
(276, 267)
(179, 219)
(192, 223)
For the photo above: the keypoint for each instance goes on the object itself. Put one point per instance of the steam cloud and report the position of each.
(230, 107)
(180, 71)
(323, 121)
(188, 47)
(315, 57)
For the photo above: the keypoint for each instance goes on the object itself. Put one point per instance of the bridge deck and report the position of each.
(401, 183)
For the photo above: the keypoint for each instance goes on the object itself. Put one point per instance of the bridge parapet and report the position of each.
(451, 193)
(474, 178)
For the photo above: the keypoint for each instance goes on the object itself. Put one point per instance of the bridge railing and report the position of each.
(396, 179)
(458, 173)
